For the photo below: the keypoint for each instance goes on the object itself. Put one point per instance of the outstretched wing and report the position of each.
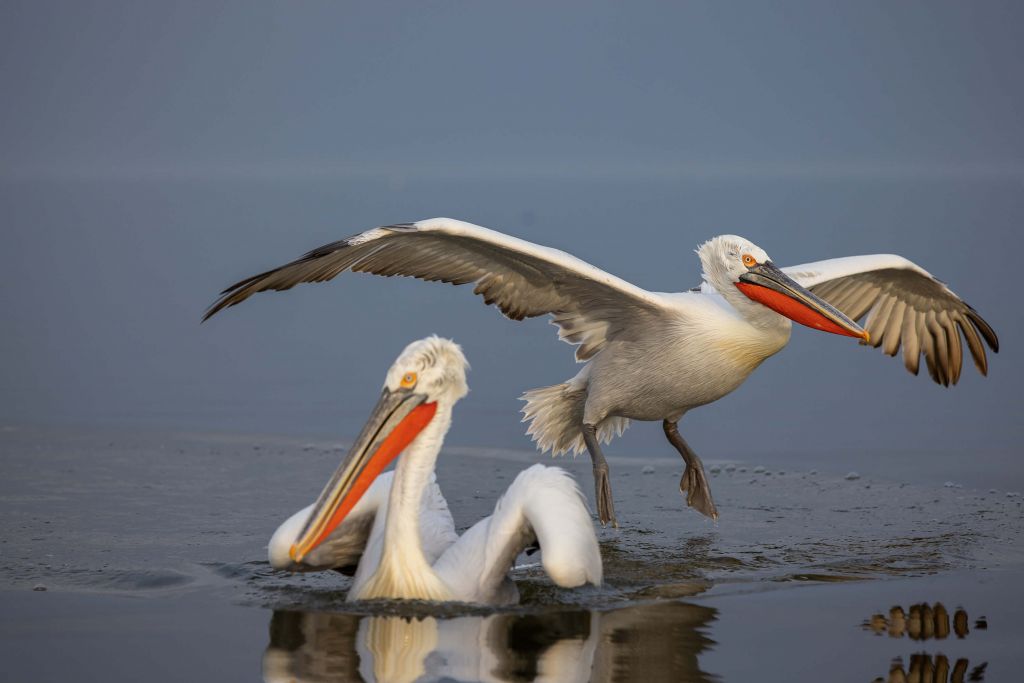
(542, 506)
(904, 305)
(522, 279)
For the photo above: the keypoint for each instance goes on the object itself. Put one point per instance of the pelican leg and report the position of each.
(602, 484)
(693, 484)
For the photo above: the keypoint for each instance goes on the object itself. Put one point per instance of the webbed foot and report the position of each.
(694, 483)
(603, 495)
(694, 486)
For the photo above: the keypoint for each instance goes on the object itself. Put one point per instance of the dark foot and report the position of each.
(602, 485)
(603, 496)
(694, 485)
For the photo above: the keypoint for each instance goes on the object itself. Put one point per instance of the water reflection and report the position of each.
(928, 669)
(652, 643)
(925, 622)
(922, 622)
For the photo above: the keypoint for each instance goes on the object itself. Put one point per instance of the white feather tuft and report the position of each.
(555, 415)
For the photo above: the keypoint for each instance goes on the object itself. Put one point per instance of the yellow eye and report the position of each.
(749, 261)
(409, 379)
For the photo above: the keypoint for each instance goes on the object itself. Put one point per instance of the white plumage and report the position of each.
(357, 540)
(400, 531)
(542, 505)
(655, 356)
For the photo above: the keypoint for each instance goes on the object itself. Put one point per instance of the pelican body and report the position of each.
(651, 355)
(396, 526)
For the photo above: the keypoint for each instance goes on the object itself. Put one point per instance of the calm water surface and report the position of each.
(151, 550)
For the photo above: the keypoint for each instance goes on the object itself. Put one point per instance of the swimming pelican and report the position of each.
(655, 356)
(398, 526)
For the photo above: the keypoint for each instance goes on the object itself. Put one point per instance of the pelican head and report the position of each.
(733, 263)
(723, 259)
(434, 367)
(428, 378)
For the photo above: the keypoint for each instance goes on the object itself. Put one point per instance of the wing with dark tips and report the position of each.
(903, 305)
(522, 279)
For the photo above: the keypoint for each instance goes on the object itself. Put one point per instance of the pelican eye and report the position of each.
(409, 380)
(749, 261)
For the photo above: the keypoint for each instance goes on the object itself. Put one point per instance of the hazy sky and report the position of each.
(153, 153)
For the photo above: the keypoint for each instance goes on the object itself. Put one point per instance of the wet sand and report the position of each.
(150, 548)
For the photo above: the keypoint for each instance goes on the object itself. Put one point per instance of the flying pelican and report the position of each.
(650, 355)
(399, 522)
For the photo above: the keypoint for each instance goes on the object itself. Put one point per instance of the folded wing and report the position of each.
(542, 507)
(522, 279)
(354, 547)
(903, 305)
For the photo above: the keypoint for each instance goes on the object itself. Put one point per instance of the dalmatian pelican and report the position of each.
(396, 527)
(650, 355)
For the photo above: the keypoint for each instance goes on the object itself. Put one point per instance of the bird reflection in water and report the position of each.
(659, 642)
(926, 668)
(926, 622)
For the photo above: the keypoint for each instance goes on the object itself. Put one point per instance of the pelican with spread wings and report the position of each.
(651, 355)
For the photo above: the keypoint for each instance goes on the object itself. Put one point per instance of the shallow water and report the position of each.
(151, 550)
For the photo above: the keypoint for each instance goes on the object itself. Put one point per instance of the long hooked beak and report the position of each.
(766, 284)
(397, 419)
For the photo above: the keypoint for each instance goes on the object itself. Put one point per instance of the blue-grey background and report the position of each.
(153, 153)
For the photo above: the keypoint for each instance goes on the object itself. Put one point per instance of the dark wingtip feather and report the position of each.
(986, 330)
(236, 293)
(228, 297)
(217, 306)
